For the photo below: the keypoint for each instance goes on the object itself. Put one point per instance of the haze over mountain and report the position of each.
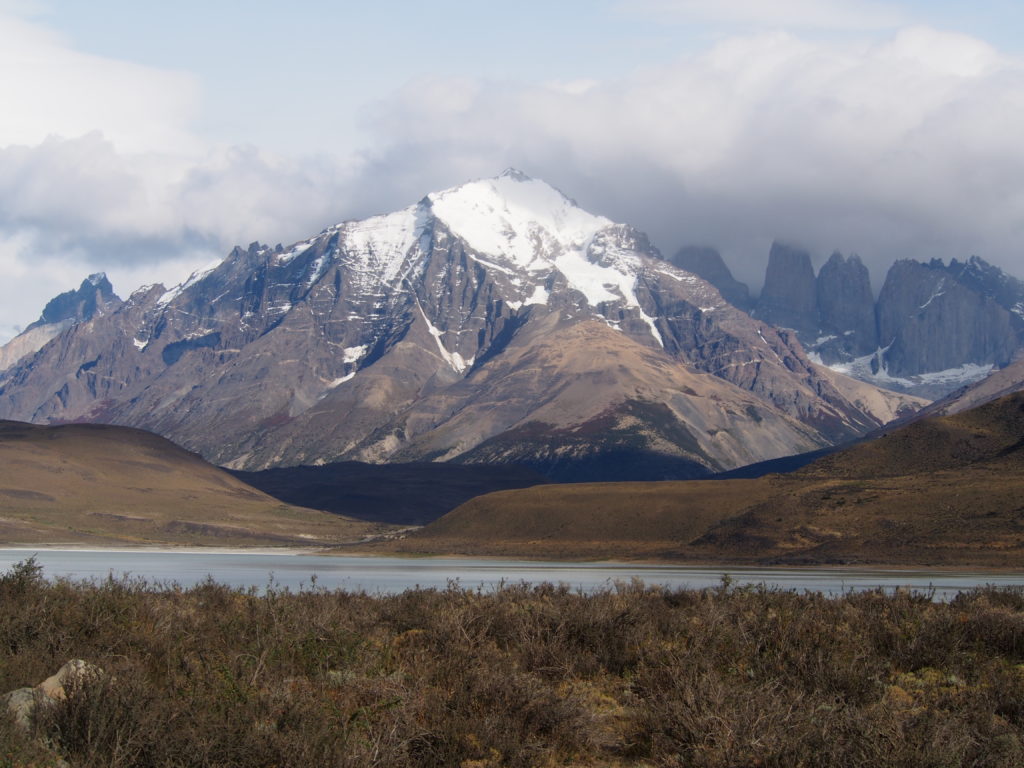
(139, 143)
(493, 322)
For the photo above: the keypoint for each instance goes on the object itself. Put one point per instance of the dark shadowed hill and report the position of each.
(409, 494)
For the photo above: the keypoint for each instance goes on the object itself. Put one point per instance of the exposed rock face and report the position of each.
(708, 264)
(789, 298)
(496, 321)
(928, 320)
(988, 280)
(95, 297)
(846, 308)
(933, 329)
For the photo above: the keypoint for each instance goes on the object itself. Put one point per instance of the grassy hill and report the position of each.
(106, 485)
(942, 491)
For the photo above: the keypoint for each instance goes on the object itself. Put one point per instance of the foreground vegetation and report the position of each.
(518, 676)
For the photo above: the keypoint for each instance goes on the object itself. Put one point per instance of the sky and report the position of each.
(146, 139)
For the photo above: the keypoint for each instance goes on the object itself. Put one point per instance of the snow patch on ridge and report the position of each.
(936, 293)
(378, 246)
(540, 295)
(860, 368)
(296, 250)
(654, 329)
(342, 380)
(353, 354)
(527, 228)
(590, 279)
(454, 359)
(194, 278)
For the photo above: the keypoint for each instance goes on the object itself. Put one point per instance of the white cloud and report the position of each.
(29, 280)
(82, 198)
(48, 88)
(905, 147)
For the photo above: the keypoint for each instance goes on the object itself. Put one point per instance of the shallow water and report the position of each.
(394, 574)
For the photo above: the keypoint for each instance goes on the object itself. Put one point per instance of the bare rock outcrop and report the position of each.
(846, 308)
(25, 703)
(789, 298)
(928, 320)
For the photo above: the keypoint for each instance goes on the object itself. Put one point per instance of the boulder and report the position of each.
(21, 703)
(24, 703)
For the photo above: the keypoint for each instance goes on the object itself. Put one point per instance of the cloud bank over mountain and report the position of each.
(891, 141)
(904, 147)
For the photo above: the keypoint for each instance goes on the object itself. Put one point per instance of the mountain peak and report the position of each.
(516, 217)
(515, 174)
(95, 294)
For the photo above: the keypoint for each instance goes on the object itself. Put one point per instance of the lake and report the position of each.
(395, 574)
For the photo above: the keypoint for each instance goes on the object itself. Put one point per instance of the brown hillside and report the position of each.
(949, 442)
(591, 520)
(943, 491)
(90, 483)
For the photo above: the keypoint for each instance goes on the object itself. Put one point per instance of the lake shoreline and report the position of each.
(182, 568)
(410, 557)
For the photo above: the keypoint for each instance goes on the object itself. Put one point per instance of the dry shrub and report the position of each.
(516, 676)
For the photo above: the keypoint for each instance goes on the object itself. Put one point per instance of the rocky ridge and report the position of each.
(95, 296)
(933, 329)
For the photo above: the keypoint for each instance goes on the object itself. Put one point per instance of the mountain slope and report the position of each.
(707, 263)
(92, 483)
(391, 339)
(946, 490)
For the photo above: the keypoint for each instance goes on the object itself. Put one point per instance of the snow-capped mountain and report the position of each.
(495, 321)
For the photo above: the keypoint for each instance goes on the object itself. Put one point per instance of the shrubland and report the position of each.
(632, 675)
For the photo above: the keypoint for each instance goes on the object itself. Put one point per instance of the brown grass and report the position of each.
(519, 676)
(99, 484)
(587, 520)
